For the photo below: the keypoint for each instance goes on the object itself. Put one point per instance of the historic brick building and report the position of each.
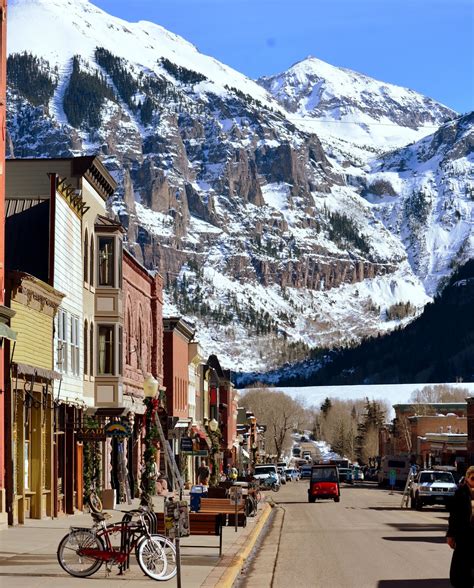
(142, 349)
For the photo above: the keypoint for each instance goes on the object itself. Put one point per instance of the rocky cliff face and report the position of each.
(264, 238)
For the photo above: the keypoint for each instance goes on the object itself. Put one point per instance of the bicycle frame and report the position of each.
(130, 534)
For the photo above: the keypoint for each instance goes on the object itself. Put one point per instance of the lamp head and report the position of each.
(150, 386)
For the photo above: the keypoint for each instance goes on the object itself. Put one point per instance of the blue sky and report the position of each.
(426, 45)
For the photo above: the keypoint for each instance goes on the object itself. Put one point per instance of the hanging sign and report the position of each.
(90, 435)
(115, 429)
(186, 444)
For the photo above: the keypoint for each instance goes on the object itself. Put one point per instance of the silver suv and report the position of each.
(432, 487)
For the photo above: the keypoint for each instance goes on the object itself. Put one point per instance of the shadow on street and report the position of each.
(432, 583)
(428, 539)
(418, 526)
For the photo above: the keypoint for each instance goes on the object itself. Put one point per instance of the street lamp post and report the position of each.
(215, 436)
(148, 478)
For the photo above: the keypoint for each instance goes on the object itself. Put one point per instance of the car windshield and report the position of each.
(428, 477)
(324, 475)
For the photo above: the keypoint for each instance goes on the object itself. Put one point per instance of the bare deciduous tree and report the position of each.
(440, 393)
(279, 412)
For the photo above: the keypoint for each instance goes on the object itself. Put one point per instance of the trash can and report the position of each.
(195, 496)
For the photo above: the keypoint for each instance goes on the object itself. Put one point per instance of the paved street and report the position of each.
(365, 541)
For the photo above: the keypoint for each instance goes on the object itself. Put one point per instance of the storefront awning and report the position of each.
(7, 333)
(181, 425)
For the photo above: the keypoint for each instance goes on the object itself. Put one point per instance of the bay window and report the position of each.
(106, 351)
(106, 261)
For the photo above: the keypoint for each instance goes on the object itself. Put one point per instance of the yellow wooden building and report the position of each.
(31, 460)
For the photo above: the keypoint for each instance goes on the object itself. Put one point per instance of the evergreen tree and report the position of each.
(28, 74)
(84, 97)
(326, 406)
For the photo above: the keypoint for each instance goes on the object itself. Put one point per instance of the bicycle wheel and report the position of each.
(95, 503)
(72, 561)
(170, 552)
(152, 558)
(275, 487)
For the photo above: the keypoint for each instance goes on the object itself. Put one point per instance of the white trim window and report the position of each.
(106, 350)
(106, 261)
(75, 357)
(62, 363)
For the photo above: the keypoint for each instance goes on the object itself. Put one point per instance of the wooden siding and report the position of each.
(35, 333)
(68, 278)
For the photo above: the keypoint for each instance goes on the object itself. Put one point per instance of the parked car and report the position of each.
(324, 483)
(345, 475)
(292, 474)
(432, 487)
(358, 474)
(262, 472)
(305, 471)
(282, 474)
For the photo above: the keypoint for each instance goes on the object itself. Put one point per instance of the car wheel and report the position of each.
(337, 499)
(312, 499)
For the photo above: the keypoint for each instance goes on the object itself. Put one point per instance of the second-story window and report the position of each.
(62, 340)
(106, 261)
(86, 348)
(91, 260)
(75, 345)
(86, 257)
(106, 350)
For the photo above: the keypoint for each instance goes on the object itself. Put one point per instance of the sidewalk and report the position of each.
(28, 555)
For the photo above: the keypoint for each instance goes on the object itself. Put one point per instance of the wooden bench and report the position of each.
(209, 524)
(226, 509)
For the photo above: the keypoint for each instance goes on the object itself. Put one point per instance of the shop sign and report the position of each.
(90, 435)
(115, 429)
(186, 444)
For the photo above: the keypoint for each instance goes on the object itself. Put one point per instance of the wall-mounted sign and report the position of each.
(186, 444)
(115, 429)
(90, 435)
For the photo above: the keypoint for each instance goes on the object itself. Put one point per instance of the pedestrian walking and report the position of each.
(460, 535)
(203, 473)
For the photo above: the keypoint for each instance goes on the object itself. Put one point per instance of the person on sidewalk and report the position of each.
(460, 535)
(203, 473)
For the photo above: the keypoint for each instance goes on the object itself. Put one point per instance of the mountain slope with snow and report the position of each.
(425, 194)
(265, 238)
(339, 103)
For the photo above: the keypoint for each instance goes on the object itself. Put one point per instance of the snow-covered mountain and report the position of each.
(268, 239)
(352, 108)
(424, 193)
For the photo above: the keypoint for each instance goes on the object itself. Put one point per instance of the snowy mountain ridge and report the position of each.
(270, 240)
(338, 102)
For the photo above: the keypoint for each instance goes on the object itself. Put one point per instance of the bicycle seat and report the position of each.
(100, 516)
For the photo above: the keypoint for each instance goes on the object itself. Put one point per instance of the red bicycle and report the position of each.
(82, 551)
